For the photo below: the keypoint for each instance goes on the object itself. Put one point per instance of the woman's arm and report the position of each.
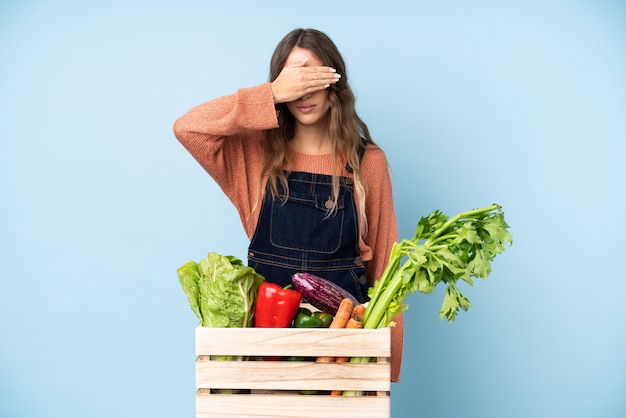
(224, 134)
(203, 129)
(382, 230)
(382, 234)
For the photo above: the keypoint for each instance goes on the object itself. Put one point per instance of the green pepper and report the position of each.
(308, 392)
(300, 358)
(305, 310)
(305, 319)
(326, 318)
(294, 358)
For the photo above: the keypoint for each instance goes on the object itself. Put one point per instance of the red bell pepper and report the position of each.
(276, 306)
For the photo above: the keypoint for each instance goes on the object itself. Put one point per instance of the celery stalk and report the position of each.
(442, 251)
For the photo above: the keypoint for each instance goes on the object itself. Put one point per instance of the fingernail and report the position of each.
(332, 70)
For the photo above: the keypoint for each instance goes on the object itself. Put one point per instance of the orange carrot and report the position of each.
(358, 311)
(339, 321)
(343, 314)
(352, 324)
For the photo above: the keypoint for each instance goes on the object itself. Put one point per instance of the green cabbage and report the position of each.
(221, 290)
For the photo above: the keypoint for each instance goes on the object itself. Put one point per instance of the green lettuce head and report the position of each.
(221, 290)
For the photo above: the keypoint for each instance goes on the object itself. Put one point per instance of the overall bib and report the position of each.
(301, 234)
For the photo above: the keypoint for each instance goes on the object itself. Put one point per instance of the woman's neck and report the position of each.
(311, 140)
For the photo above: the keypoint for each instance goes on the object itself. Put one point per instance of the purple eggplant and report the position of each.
(321, 293)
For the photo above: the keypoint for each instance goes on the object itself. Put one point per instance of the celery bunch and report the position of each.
(442, 251)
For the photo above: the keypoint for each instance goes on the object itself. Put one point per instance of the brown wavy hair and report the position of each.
(347, 130)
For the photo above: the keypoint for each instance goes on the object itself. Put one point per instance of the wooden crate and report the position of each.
(273, 388)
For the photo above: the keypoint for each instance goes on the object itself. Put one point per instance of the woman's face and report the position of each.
(312, 109)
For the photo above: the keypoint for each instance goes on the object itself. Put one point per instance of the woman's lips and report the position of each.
(306, 108)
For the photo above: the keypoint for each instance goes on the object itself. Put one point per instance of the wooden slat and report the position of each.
(287, 375)
(293, 341)
(293, 406)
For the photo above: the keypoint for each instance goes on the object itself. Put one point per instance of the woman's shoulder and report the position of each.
(374, 155)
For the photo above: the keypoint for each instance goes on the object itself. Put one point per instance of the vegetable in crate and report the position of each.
(307, 319)
(324, 317)
(321, 293)
(276, 307)
(441, 252)
(221, 290)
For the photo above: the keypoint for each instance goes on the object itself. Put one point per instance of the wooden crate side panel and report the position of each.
(293, 406)
(287, 375)
(293, 341)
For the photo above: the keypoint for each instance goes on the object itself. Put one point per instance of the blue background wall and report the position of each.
(520, 103)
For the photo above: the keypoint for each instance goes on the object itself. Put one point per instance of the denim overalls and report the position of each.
(299, 235)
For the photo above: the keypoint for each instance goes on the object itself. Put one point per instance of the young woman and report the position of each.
(311, 187)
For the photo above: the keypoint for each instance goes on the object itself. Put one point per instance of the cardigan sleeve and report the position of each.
(249, 109)
(381, 235)
(223, 135)
(382, 231)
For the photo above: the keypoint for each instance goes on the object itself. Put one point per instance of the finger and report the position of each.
(299, 64)
(322, 75)
(326, 78)
(315, 89)
(321, 69)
